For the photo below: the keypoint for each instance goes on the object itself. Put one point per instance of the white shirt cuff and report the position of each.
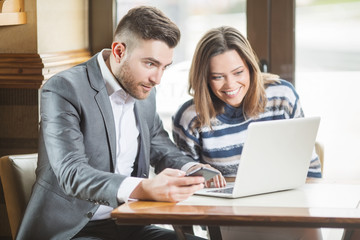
(127, 187)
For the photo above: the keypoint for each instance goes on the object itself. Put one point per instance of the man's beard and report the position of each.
(127, 81)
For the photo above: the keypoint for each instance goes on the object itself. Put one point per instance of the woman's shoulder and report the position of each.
(281, 88)
(280, 82)
(185, 114)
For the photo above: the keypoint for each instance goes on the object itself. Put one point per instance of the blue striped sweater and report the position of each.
(221, 147)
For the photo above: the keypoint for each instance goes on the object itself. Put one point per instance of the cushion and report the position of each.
(24, 168)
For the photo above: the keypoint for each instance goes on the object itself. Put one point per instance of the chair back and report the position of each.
(17, 174)
(319, 149)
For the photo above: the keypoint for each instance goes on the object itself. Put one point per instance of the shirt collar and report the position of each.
(112, 85)
(233, 112)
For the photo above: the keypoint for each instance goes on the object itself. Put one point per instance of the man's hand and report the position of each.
(218, 180)
(170, 185)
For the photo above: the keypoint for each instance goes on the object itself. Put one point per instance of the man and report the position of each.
(98, 134)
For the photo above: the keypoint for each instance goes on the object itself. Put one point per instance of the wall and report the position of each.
(21, 38)
(62, 25)
(54, 38)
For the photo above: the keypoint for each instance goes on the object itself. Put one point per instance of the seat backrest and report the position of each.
(17, 174)
(319, 149)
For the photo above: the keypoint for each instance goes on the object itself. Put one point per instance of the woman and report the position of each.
(229, 92)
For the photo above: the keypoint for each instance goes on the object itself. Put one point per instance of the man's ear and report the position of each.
(118, 51)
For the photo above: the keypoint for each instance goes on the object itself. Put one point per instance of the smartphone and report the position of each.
(207, 173)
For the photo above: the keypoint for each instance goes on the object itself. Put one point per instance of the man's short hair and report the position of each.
(147, 23)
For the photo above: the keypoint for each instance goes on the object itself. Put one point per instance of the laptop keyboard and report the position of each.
(222, 190)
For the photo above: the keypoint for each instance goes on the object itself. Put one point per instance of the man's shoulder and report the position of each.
(76, 77)
(73, 74)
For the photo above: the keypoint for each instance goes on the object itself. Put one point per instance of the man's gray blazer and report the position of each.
(77, 153)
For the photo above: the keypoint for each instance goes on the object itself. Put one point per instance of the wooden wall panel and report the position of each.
(283, 39)
(258, 29)
(271, 32)
(20, 70)
(18, 120)
(30, 70)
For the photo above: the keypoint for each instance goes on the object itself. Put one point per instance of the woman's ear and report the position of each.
(118, 51)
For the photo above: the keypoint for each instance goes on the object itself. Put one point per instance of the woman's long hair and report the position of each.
(215, 42)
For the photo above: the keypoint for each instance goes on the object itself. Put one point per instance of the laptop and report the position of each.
(276, 156)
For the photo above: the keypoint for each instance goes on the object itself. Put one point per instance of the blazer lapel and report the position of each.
(143, 158)
(102, 99)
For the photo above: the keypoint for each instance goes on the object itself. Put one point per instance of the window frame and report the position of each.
(271, 32)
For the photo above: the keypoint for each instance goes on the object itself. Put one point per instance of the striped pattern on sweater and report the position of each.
(222, 146)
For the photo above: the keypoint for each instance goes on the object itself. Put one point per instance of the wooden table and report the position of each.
(327, 204)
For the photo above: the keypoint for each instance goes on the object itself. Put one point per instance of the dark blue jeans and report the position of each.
(109, 230)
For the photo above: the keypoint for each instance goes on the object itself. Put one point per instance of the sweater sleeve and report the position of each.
(185, 137)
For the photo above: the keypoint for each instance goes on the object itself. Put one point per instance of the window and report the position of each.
(194, 18)
(328, 78)
(327, 64)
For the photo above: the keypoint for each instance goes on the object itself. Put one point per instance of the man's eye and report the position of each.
(149, 64)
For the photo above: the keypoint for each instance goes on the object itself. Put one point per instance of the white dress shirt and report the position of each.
(127, 135)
